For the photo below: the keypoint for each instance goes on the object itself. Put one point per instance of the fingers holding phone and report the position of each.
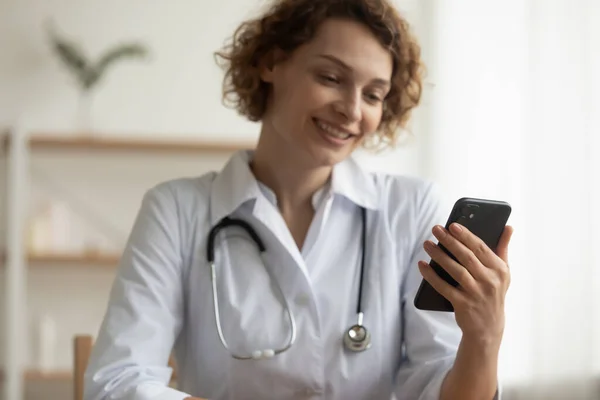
(483, 279)
(468, 272)
(474, 241)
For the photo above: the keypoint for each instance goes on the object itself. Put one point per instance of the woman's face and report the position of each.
(328, 94)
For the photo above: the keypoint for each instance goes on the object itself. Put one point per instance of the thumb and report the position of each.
(502, 249)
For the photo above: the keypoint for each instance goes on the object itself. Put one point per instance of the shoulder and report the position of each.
(404, 191)
(184, 196)
(409, 204)
(185, 187)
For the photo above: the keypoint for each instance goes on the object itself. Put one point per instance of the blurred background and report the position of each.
(511, 111)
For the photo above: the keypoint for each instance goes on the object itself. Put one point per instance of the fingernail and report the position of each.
(438, 231)
(422, 264)
(455, 228)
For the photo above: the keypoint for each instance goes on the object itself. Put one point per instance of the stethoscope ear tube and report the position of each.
(224, 223)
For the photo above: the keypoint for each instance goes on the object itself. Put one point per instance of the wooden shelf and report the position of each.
(112, 143)
(38, 375)
(91, 259)
(58, 375)
(83, 259)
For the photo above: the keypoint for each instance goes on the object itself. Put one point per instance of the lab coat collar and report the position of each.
(351, 181)
(233, 186)
(236, 185)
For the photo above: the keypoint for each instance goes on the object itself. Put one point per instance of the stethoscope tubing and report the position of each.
(351, 343)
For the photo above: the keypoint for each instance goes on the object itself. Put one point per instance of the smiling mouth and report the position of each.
(333, 131)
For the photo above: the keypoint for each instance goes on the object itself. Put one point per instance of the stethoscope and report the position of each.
(356, 338)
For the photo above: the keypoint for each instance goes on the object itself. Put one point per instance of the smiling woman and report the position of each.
(338, 247)
(292, 25)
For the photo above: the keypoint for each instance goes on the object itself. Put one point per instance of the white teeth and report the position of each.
(332, 130)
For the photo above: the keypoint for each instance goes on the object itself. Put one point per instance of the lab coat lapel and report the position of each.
(269, 215)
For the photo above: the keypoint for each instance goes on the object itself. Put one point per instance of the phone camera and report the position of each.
(468, 211)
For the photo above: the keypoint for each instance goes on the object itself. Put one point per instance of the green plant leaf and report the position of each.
(124, 51)
(87, 73)
(70, 54)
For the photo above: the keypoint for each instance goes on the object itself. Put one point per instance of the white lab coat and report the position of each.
(162, 300)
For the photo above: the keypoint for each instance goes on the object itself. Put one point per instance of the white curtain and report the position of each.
(515, 115)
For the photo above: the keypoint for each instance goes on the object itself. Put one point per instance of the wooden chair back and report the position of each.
(82, 346)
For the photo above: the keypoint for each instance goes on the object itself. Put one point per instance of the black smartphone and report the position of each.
(484, 218)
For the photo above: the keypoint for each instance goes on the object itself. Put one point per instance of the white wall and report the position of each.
(508, 125)
(175, 94)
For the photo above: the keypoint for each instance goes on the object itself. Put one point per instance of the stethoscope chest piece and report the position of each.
(357, 338)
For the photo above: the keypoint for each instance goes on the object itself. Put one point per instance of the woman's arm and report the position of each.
(484, 278)
(475, 371)
(145, 310)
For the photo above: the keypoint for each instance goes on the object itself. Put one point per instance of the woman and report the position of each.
(322, 77)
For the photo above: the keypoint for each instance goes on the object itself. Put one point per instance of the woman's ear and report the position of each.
(268, 64)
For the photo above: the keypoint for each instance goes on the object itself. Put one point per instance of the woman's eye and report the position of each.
(373, 98)
(329, 79)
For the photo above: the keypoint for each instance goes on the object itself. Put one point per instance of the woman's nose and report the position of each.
(350, 107)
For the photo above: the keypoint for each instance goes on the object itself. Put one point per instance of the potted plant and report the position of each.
(89, 73)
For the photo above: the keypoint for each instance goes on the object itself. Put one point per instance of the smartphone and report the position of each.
(484, 218)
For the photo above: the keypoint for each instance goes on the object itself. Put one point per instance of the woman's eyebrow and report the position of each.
(335, 60)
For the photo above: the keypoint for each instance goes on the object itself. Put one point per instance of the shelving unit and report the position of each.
(33, 375)
(106, 260)
(92, 259)
(113, 143)
(18, 146)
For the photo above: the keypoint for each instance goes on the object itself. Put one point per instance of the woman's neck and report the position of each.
(294, 183)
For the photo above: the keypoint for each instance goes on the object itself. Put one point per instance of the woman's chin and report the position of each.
(326, 156)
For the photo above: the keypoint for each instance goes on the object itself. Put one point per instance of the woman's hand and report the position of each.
(483, 277)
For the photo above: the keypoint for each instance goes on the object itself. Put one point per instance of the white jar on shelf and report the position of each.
(47, 341)
(54, 230)
(61, 225)
(39, 240)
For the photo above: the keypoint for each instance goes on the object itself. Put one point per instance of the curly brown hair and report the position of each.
(288, 24)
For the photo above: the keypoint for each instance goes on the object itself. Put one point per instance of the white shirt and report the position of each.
(162, 299)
